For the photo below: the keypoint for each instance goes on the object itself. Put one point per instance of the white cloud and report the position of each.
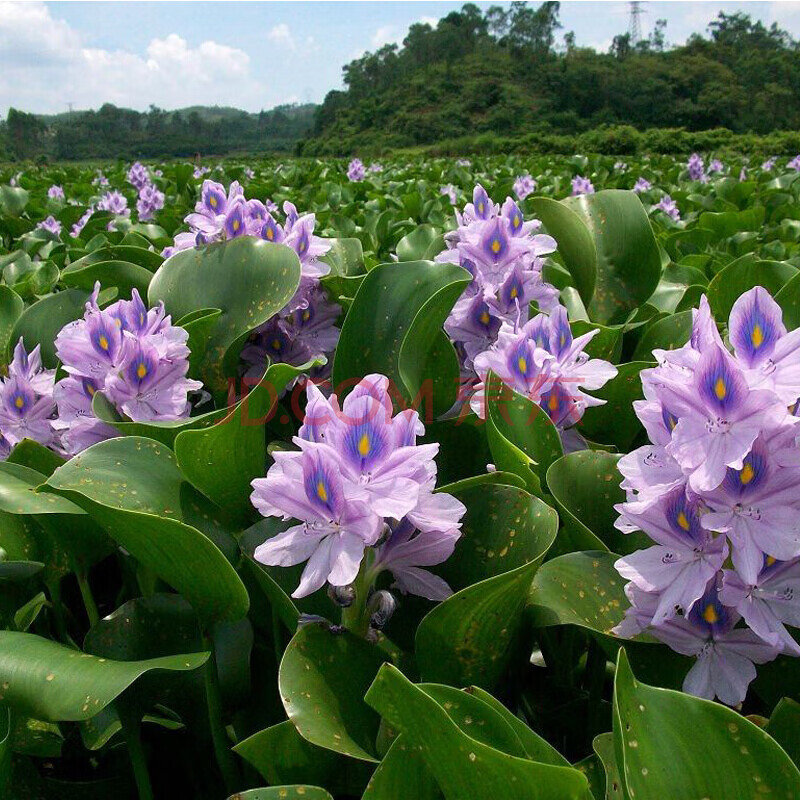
(281, 35)
(45, 63)
(385, 35)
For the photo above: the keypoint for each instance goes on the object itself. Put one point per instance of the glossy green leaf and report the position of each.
(784, 727)
(323, 678)
(628, 261)
(402, 773)
(586, 487)
(122, 274)
(422, 244)
(413, 300)
(576, 244)
(133, 489)
(670, 744)
(248, 279)
(11, 307)
(788, 298)
(668, 333)
(52, 682)
(465, 768)
(740, 276)
(603, 746)
(298, 791)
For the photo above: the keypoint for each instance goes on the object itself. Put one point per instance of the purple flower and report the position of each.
(715, 166)
(642, 185)
(463, 162)
(449, 191)
(26, 402)
(135, 356)
(51, 224)
(696, 168)
(151, 199)
(199, 172)
(249, 174)
(375, 168)
(55, 192)
(100, 179)
(138, 176)
(359, 481)
(581, 185)
(523, 186)
(669, 207)
(743, 174)
(769, 164)
(794, 163)
(722, 475)
(114, 202)
(355, 171)
(81, 223)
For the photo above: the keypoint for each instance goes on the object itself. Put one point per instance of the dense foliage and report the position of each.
(500, 72)
(112, 132)
(345, 480)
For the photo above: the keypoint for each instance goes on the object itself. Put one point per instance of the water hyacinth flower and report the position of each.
(56, 192)
(718, 491)
(503, 253)
(51, 225)
(696, 168)
(581, 185)
(355, 171)
(669, 207)
(543, 362)
(360, 489)
(200, 171)
(794, 163)
(150, 200)
(769, 164)
(449, 191)
(114, 202)
(135, 356)
(26, 402)
(743, 174)
(249, 173)
(715, 165)
(620, 166)
(642, 185)
(81, 223)
(523, 186)
(100, 180)
(375, 168)
(138, 176)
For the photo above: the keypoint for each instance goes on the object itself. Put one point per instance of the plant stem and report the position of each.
(355, 616)
(131, 729)
(222, 751)
(88, 598)
(54, 588)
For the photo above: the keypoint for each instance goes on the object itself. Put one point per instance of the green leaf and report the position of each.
(668, 333)
(465, 768)
(603, 745)
(394, 327)
(5, 750)
(11, 307)
(122, 274)
(471, 637)
(248, 279)
(586, 487)
(35, 456)
(741, 276)
(422, 244)
(298, 791)
(784, 727)
(41, 322)
(576, 244)
(402, 774)
(670, 744)
(200, 326)
(628, 261)
(223, 459)
(788, 298)
(141, 505)
(513, 418)
(615, 422)
(56, 683)
(322, 679)
(13, 200)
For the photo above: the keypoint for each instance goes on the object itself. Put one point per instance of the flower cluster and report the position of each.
(362, 492)
(200, 171)
(543, 362)
(136, 357)
(620, 166)
(356, 171)
(696, 168)
(642, 185)
(375, 168)
(100, 180)
(794, 163)
(26, 402)
(715, 166)
(769, 164)
(581, 185)
(502, 252)
(51, 225)
(56, 192)
(718, 491)
(78, 227)
(115, 203)
(138, 177)
(151, 198)
(305, 329)
(523, 186)
(669, 207)
(449, 191)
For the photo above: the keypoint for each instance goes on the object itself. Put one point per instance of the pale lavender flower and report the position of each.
(620, 166)
(794, 163)
(359, 480)
(100, 180)
(696, 168)
(449, 191)
(151, 199)
(249, 173)
(743, 174)
(669, 207)
(524, 185)
(375, 168)
(51, 225)
(26, 402)
(81, 223)
(463, 162)
(769, 164)
(200, 171)
(581, 185)
(715, 166)
(138, 176)
(114, 202)
(355, 170)
(642, 185)
(55, 192)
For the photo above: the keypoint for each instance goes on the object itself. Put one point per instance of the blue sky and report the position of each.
(253, 55)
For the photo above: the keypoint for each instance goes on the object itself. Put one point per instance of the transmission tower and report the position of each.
(634, 26)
